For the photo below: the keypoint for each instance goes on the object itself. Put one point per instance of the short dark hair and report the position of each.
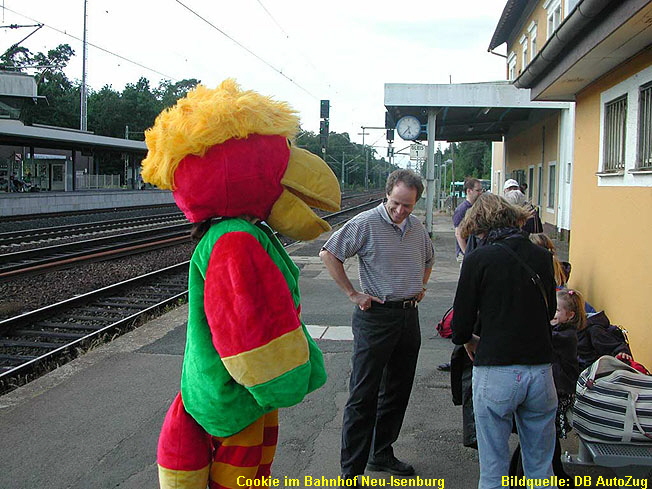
(409, 178)
(470, 183)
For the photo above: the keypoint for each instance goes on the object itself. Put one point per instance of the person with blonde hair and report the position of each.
(544, 241)
(507, 286)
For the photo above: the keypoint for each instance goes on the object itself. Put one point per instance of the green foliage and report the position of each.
(110, 113)
(471, 159)
(340, 149)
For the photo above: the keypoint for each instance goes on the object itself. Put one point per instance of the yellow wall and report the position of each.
(611, 241)
(524, 149)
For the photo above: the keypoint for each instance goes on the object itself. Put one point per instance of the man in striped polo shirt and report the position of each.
(395, 255)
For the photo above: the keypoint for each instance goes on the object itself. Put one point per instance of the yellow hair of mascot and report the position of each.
(205, 118)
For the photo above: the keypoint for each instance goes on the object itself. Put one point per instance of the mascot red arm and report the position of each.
(227, 156)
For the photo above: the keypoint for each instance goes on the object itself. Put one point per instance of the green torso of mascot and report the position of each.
(227, 382)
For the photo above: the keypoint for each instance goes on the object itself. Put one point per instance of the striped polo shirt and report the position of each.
(392, 262)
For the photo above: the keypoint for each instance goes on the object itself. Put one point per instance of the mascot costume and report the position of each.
(228, 158)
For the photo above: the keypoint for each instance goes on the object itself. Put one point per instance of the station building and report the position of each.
(599, 56)
(573, 121)
(57, 161)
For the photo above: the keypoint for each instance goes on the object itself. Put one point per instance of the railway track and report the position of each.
(48, 235)
(43, 259)
(38, 341)
(157, 231)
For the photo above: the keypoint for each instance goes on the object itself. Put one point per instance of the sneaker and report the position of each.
(391, 465)
(444, 367)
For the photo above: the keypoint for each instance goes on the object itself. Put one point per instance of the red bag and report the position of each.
(444, 326)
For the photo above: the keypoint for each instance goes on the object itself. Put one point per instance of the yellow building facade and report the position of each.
(612, 224)
(602, 62)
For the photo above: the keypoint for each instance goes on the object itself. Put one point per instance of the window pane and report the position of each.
(540, 187)
(615, 115)
(644, 159)
(552, 185)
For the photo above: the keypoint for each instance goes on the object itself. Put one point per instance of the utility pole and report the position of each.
(83, 125)
(366, 160)
(366, 157)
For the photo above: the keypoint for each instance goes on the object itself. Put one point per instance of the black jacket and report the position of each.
(565, 368)
(514, 325)
(597, 339)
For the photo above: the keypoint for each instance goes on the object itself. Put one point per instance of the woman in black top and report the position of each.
(508, 286)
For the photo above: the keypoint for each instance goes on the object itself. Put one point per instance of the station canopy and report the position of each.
(464, 111)
(14, 133)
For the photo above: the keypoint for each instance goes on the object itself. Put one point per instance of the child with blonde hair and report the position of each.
(569, 318)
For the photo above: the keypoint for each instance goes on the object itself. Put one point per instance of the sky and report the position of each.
(299, 51)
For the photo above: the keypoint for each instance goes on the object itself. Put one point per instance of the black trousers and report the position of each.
(385, 350)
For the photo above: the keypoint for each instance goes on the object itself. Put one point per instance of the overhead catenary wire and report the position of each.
(239, 44)
(296, 47)
(60, 31)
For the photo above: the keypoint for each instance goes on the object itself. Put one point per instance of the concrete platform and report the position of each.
(24, 203)
(94, 422)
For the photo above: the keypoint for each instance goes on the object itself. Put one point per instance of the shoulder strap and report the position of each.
(534, 276)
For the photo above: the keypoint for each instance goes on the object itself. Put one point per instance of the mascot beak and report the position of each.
(307, 182)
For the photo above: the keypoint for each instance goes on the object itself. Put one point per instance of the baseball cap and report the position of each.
(510, 183)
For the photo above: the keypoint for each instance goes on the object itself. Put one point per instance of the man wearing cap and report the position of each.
(395, 255)
(473, 189)
(511, 184)
(514, 195)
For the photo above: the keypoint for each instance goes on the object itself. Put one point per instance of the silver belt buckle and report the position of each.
(409, 304)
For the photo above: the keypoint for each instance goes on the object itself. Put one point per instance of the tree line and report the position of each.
(128, 113)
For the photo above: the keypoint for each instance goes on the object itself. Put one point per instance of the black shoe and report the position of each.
(391, 465)
(351, 481)
(444, 367)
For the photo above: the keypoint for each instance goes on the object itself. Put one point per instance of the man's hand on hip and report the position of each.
(363, 301)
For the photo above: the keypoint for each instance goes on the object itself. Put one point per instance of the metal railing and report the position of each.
(97, 181)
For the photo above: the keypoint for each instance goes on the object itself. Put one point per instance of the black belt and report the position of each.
(404, 304)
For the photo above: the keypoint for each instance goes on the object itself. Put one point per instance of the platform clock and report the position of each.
(408, 127)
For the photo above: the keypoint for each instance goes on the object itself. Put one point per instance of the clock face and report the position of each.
(408, 127)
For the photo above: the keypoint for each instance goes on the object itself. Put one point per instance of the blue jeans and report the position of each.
(502, 393)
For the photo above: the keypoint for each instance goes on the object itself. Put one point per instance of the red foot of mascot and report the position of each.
(227, 157)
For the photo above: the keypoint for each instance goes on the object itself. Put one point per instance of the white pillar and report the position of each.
(430, 169)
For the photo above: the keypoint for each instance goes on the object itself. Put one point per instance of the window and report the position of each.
(524, 59)
(552, 184)
(553, 7)
(511, 66)
(530, 183)
(532, 34)
(570, 5)
(644, 159)
(615, 115)
(540, 186)
(625, 151)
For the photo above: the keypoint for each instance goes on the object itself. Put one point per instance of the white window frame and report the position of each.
(532, 34)
(524, 50)
(631, 176)
(511, 66)
(552, 187)
(553, 17)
